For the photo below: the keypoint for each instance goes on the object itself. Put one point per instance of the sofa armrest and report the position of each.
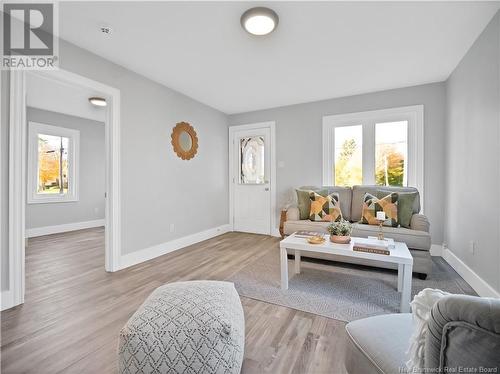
(420, 222)
(462, 332)
(288, 214)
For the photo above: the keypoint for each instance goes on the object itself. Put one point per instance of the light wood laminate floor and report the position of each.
(74, 310)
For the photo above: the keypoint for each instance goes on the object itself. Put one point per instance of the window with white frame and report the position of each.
(380, 147)
(52, 163)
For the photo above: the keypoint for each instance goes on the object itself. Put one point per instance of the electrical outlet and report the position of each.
(472, 247)
(96, 210)
(172, 227)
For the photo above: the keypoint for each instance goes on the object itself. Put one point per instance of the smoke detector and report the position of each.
(106, 30)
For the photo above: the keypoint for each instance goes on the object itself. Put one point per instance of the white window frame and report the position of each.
(414, 115)
(34, 197)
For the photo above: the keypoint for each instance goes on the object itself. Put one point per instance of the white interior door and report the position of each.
(251, 180)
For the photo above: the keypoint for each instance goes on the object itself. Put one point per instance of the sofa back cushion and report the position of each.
(345, 197)
(358, 194)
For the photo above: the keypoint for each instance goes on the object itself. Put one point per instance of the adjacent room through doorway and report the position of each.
(65, 180)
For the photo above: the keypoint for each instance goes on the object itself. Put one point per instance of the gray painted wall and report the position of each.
(179, 190)
(91, 182)
(299, 143)
(472, 162)
(4, 179)
(157, 187)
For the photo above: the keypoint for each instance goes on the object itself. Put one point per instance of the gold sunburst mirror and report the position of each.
(184, 140)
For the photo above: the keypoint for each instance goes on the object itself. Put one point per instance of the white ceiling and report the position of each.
(320, 50)
(43, 93)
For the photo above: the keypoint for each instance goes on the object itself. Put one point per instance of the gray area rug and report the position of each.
(340, 291)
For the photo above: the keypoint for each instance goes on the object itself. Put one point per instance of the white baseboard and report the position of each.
(476, 282)
(47, 230)
(7, 299)
(161, 249)
(436, 250)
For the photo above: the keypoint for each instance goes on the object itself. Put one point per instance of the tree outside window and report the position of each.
(391, 149)
(52, 164)
(348, 156)
(53, 154)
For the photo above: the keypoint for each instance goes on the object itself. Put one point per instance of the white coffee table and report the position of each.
(399, 255)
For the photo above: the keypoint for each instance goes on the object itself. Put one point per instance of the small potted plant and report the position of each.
(340, 232)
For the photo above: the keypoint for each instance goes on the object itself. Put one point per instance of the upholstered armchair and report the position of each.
(463, 336)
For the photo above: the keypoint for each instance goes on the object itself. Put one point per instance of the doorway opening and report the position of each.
(62, 154)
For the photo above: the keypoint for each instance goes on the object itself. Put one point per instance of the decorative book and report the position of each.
(389, 241)
(380, 251)
(371, 243)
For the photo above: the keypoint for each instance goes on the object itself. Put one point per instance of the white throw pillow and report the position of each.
(421, 310)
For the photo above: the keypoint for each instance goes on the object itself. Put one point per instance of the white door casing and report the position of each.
(17, 172)
(252, 203)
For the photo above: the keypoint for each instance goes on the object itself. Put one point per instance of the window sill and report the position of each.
(52, 199)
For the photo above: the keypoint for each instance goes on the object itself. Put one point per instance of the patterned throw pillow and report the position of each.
(325, 208)
(387, 204)
(406, 201)
(304, 201)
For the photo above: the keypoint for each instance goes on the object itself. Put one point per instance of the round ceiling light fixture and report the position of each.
(259, 21)
(97, 101)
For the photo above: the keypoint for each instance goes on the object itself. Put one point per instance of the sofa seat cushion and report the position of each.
(414, 239)
(378, 344)
(305, 225)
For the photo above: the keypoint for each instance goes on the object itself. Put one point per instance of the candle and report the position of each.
(381, 216)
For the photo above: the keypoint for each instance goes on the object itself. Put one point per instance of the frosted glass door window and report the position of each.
(252, 160)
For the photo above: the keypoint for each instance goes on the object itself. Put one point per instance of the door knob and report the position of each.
(266, 189)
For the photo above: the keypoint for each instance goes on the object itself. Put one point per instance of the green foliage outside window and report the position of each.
(347, 171)
(390, 165)
(389, 168)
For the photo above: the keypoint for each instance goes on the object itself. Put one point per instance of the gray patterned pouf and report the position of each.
(185, 327)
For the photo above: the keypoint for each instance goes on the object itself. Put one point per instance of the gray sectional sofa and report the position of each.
(417, 237)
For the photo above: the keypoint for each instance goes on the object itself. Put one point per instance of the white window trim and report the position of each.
(36, 128)
(413, 114)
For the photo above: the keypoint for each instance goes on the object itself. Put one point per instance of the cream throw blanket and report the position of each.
(421, 309)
